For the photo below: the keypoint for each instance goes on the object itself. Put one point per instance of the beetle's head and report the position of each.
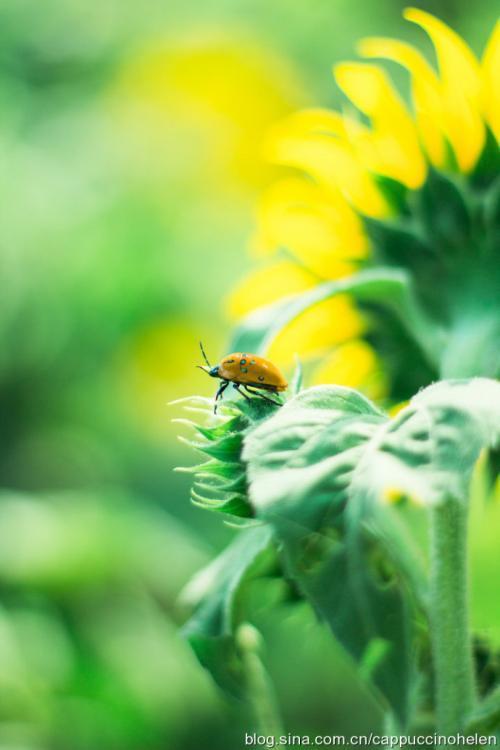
(212, 371)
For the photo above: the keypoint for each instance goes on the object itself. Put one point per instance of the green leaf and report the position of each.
(328, 397)
(300, 467)
(218, 596)
(321, 472)
(388, 287)
(428, 452)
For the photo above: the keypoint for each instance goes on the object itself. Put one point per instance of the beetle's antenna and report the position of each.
(204, 355)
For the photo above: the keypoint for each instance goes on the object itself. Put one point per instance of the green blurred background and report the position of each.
(130, 140)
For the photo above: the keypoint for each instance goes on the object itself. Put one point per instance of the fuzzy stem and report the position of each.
(260, 690)
(451, 643)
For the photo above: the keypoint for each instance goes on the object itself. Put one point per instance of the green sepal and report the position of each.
(395, 193)
(220, 484)
(237, 484)
(395, 243)
(441, 209)
(225, 449)
(214, 468)
(491, 209)
(488, 165)
(233, 505)
(219, 431)
(405, 366)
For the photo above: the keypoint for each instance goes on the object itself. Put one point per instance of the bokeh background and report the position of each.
(130, 141)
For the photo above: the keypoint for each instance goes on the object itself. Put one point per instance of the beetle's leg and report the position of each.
(261, 395)
(219, 393)
(236, 387)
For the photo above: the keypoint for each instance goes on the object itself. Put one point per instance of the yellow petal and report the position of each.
(267, 285)
(323, 233)
(356, 365)
(332, 162)
(317, 329)
(460, 78)
(392, 146)
(426, 92)
(314, 120)
(490, 71)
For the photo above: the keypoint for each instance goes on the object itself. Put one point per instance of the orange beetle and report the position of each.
(246, 371)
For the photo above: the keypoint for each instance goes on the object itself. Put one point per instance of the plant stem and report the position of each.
(451, 643)
(260, 690)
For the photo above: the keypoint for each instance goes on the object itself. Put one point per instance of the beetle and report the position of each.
(247, 371)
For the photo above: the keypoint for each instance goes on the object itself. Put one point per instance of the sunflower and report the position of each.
(403, 197)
